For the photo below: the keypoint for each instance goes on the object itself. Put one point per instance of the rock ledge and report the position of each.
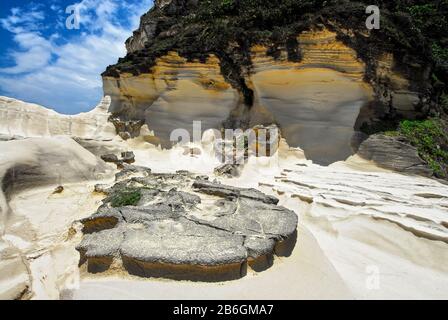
(184, 227)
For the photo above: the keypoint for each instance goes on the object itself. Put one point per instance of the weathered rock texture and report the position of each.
(173, 95)
(332, 195)
(238, 64)
(183, 227)
(393, 153)
(15, 281)
(21, 119)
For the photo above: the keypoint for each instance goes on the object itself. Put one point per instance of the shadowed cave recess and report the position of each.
(240, 64)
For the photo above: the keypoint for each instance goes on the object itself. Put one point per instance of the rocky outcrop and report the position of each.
(15, 281)
(32, 165)
(18, 118)
(393, 153)
(190, 28)
(337, 195)
(291, 76)
(126, 157)
(304, 98)
(173, 95)
(44, 161)
(37, 162)
(162, 225)
(228, 170)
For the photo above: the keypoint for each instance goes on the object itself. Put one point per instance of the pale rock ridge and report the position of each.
(415, 204)
(18, 118)
(31, 165)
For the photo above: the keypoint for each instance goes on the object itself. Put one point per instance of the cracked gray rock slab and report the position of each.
(221, 190)
(393, 153)
(185, 227)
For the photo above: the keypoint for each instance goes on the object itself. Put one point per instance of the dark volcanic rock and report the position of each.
(128, 157)
(217, 189)
(174, 232)
(228, 170)
(110, 158)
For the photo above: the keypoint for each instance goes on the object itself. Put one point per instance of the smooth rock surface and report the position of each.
(30, 120)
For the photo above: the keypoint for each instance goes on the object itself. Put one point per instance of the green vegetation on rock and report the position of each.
(431, 139)
(126, 197)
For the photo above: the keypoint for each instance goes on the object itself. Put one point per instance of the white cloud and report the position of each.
(67, 77)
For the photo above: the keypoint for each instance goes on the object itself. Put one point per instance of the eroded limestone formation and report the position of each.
(19, 119)
(183, 226)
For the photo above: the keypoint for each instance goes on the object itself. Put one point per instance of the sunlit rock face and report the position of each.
(315, 102)
(319, 100)
(21, 119)
(173, 95)
(303, 98)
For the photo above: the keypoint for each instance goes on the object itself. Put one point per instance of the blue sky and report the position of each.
(43, 62)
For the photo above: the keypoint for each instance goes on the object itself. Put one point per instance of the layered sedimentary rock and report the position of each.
(173, 95)
(398, 90)
(21, 119)
(184, 227)
(318, 86)
(290, 71)
(415, 204)
(304, 98)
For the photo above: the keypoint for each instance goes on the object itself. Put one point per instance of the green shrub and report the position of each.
(127, 197)
(431, 140)
(440, 55)
(444, 102)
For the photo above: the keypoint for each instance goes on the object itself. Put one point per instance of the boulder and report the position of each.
(393, 153)
(173, 230)
(228, 170)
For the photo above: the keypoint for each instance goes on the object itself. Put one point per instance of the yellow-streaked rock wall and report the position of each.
(174, 94)
(316, 101)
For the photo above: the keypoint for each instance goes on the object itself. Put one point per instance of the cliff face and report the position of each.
(313, 68)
